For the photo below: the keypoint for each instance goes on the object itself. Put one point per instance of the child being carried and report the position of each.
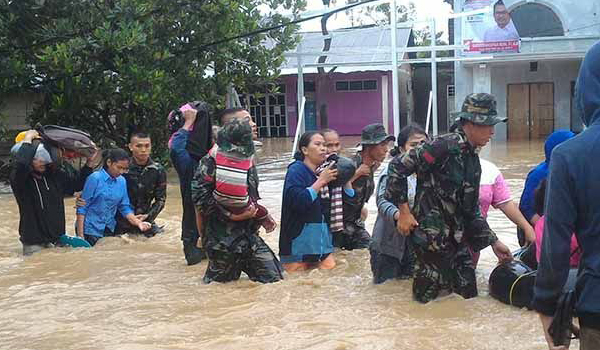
(234, 157)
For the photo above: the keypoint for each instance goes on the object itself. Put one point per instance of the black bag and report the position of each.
(200, 139)
(561, 327)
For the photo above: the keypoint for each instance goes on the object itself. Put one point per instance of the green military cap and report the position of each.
(236, 136)
(374, 134)
(480, 108)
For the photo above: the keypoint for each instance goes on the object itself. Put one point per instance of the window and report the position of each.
(370, 85)
(309, 86)
(356, 85)
(535, 20)
(341, 85)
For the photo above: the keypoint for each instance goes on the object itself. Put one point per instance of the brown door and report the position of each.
(518, 111)
(530, 111)
(542, 110)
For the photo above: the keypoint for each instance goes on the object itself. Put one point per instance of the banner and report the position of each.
(492, 32)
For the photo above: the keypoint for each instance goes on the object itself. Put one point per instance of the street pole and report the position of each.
(395, 92)
(434, 89)
(300, 119)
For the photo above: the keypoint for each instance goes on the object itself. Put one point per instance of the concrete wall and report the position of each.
(16, 107)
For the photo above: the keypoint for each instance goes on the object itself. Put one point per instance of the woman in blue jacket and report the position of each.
(305, 240)
(104, 193)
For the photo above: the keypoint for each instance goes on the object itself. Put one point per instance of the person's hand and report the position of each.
(79, 202)
(546, 321)
(94, 159)
(269, 224)
(529, 234)
(142, 217)
(190, 118)
(406, 222)
(30, 135)
(502, 251)
(328, 175)
(247, 215)
(144, 226)
(363, 170)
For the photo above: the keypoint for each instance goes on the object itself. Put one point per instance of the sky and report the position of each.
(425, 9)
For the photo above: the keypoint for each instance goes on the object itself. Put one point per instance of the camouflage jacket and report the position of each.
(447, 200)
(147, 188)
(363, 190)
(218, 231)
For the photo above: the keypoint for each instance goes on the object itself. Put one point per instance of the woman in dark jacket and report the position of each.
(38, 185)
(305, 240)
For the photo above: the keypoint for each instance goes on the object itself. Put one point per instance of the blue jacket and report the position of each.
(304, 233)
(540, 172)
(103, 196)
(572, 206)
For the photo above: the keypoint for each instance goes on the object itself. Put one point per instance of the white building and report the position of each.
(534, 86)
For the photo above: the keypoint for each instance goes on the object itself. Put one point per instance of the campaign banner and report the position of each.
(492, 32)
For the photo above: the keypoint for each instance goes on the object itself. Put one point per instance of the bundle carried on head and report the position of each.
(200, 139)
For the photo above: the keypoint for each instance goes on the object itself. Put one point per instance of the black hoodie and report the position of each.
(40, 197)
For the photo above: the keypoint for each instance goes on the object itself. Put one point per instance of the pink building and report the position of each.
(345, 98)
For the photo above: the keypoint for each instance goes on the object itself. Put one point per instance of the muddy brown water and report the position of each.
(137, 293)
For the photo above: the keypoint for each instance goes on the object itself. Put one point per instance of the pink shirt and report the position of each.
(493, 190)
(539, 235)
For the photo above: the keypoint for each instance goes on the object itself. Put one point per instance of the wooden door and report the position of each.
(542, 110)
(518, 111)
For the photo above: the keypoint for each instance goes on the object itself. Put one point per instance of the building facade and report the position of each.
(532, 76)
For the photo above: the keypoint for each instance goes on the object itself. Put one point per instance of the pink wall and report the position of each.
(348, 111)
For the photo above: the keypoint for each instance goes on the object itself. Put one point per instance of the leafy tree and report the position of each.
(107, 66)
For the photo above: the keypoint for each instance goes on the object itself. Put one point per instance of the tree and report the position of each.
(106, 66)
(380, 14)
(423, 38)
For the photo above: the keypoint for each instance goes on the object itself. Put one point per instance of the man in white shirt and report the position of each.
(504, 30)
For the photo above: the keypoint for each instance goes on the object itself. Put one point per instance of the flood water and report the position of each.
(138, 293)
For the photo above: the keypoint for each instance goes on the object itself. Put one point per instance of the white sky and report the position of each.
(425, 9)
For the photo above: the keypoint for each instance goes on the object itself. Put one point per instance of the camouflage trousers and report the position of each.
(354, 236)
(247, 253)
(451, 271)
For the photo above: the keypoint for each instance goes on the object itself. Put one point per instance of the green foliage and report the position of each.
(106, 66)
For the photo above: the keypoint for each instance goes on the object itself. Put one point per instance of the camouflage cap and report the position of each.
(236, 136)
(480, 109)
(374, 134)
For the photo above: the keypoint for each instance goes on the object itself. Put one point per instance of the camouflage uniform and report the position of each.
(446, 205)
(147, 190)
(355, 236)
(232, 247)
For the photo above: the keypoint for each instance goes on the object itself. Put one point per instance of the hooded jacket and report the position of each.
(540, 172)
(571, 206)
(40, 197)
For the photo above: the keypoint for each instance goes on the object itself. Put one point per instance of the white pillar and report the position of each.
(395, 88)
(434, 106)
(385, 103)
(300, 86)
(482, 78)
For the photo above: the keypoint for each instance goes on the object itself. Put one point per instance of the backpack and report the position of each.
(71, 139)
(200, 140)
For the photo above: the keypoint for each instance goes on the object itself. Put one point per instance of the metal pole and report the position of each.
(395, 101)
(434, 109)
(300, 87)
(428, 112)
(298, 126)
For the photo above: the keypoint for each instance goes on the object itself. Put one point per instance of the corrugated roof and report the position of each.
(362, 45)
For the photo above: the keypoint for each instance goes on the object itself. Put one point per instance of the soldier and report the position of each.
(375, 142)
(146, 186)
(446, 218)
(231, 241)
